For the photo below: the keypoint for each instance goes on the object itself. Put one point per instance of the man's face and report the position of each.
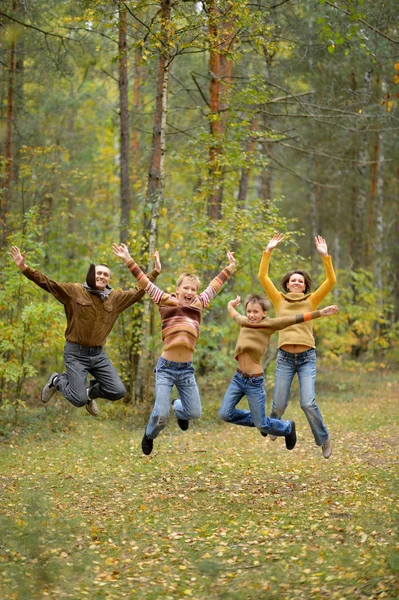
(103, 275)
(187, 290)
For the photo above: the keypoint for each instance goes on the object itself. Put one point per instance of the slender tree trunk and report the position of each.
(246, 171)
(214, 205)
(136, 107)
(155, 188)
(124, 126)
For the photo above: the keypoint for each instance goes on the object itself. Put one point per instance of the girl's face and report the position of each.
(255, 312)
(187, 290)
(296, 283)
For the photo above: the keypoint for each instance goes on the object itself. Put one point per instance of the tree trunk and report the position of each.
(155, 189)
(124, 126)
(246, 171)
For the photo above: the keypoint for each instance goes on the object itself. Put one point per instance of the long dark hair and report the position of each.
(305, 275)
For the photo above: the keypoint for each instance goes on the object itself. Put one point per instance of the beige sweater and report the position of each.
(292, 303)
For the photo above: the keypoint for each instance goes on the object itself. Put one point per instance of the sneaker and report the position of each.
(92, 408)
(147, 445)
(327, 448)
(264, 434)
(290, 439)
(49, 390)
(273, 437)
(182, 423)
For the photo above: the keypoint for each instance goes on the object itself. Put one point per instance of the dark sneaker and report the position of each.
(49, 390)
(147, 445)
(92, 408)
(264, 434)
(290, 439)
(182, 423)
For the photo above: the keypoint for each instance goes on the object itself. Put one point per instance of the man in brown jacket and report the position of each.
(91, 310)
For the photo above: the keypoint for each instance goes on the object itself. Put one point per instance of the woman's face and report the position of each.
(296, 283)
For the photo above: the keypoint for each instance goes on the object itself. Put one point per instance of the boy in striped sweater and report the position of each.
(181, 315)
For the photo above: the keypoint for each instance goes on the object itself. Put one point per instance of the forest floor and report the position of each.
(217, 512)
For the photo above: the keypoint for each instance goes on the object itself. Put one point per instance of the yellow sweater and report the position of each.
(292, 303)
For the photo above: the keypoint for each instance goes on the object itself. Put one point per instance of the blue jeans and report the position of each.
(79, 362)
(253, 388)
(304, 364)
(186, 407)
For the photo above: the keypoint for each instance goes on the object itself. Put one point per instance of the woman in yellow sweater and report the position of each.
(297, 352)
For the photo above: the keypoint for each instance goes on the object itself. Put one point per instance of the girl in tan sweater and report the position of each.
(296, 344)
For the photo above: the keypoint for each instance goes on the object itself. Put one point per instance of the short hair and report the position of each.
(305, 275)
(257, 299)
(104, 265)
(190, 276)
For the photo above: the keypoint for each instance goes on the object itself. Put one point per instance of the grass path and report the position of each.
(218, 512)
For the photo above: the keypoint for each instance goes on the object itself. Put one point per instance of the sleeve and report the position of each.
(266, 282)
(239, 319)
(327, 284)
(214, 287)
(283, 322)
(145, 284)
(129, 297)
(61, 291)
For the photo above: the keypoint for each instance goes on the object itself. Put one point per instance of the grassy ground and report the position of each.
(218, 512)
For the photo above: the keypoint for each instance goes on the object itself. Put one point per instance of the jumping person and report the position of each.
(181, 315)
(297, 352)
(255, 331)
(91, 310)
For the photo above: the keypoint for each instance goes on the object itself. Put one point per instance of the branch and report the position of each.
(46, 33)
(347, 12)
(324, 185)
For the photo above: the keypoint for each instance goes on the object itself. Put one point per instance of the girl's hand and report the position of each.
(232, 260)
(122, 252)
(274, 242)
(321, 245)
(329, 310)
(157, 261)
(234, 303)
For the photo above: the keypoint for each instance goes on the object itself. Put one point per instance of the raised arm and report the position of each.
(231, 307)
(329, 282)
(263, 275)
(154, 292)
(216, 284)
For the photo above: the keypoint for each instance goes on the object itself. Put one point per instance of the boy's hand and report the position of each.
(274, 242)
(321, 245)
(157, 261)
(232, 260)
(122, 252)
(234, 303)
(17, 257)
(329, 310)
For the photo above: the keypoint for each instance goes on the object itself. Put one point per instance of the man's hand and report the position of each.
(234, 303)
(274, 242)
(157, 261)
(232, 260)
(329, 310)
(321, 245)
(17, 257)
(122, 252)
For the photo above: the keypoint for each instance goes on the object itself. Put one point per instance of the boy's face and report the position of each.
(187, 290)
(255, 312)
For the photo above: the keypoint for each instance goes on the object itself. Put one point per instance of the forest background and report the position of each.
(194, 128)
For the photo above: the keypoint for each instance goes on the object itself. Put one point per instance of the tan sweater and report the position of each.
(254, 337)
(292, 303)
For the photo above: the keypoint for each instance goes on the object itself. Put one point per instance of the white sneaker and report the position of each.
(327, 448)
(273, 437)
(48, 390)
(92, 408)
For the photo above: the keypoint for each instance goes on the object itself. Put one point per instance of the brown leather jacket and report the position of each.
(89, 319)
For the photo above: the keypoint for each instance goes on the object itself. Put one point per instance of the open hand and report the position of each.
(275, 241)
(232, 260)
(121, 251)
(321, 245)
(17, 256)
(329, 310)
(157, 261)
(234, 303)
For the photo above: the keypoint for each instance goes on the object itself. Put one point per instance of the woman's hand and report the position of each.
(274, 242)
(329, 310)
(321, 245)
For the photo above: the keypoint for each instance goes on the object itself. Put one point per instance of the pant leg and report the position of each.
(307, 377)
(256, 395)
(228, 411)
(107, 384)
(73, 383)
(285, 371)
(164, 382)
(188, 405)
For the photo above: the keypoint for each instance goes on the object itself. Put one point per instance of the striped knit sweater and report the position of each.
(180, 322)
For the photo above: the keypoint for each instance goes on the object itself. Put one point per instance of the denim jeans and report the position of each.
(304, 364)
(79, 362)
(253, 388)
(186, 407)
